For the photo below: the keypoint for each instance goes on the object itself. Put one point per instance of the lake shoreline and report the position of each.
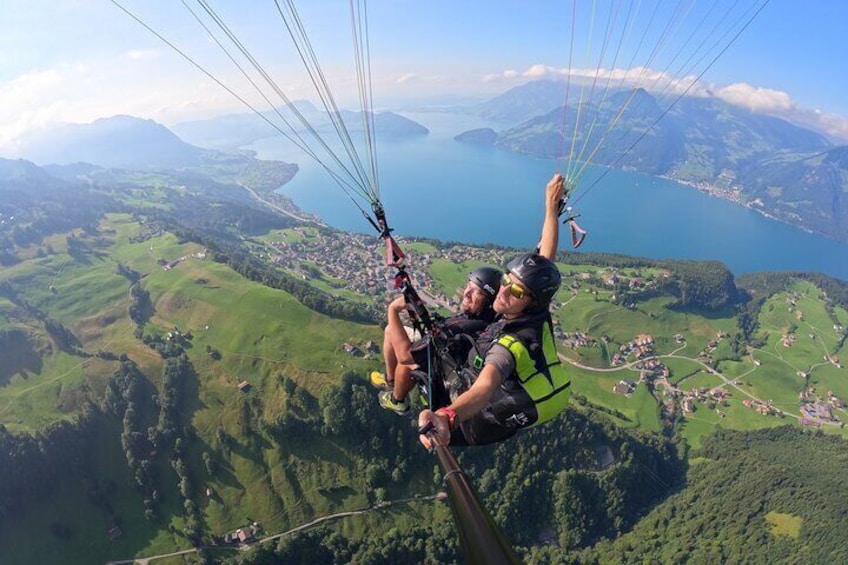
(434, 187)
(734, 196)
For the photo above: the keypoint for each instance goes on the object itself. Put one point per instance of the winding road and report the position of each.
(265, 539)
(630, 366)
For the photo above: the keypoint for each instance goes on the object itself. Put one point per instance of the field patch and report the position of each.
(784, 524)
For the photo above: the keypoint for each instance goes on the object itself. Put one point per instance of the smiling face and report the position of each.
(474, 299)
(506, 302)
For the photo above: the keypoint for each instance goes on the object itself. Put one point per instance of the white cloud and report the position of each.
(780, 104)
(834, 125)
(81, 92)
(642, 77)
(495, 77)
(17, 113)
(755, 98)
(539, 71)
(407, 77)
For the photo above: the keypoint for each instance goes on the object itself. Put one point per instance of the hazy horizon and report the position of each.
(69, 70)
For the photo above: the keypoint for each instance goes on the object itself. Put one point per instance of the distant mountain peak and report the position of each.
(236, 130)
(119, 141)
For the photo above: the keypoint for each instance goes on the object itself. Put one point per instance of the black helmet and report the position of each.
(488, 279)
(539, 274)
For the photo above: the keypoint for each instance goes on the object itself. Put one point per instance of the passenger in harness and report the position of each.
(512, 378)
(402, 356)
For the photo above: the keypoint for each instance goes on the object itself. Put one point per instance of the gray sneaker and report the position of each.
(386, 402)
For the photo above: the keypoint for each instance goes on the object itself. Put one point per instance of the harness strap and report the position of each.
(394, 254)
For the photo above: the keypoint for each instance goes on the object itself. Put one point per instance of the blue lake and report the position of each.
(433, 186)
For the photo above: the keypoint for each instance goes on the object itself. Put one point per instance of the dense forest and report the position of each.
(757, 497)
(549, 477)
(767, 496)
(697, 285)
(766, 284)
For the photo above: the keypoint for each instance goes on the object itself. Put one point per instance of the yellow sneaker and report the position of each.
(378, 380)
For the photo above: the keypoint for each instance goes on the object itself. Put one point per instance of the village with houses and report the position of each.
(355, 263)
(638, 355)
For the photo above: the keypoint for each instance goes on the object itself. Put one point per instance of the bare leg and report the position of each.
(397, 339)
(389, 356)
(403, 381)
(397, 351)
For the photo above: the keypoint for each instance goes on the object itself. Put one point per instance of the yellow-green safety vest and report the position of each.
(549, 392)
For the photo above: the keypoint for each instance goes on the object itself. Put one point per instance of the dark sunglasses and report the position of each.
(516, 290)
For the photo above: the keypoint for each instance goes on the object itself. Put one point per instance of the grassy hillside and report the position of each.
(281, 453)
(262, 335)
(769, 371)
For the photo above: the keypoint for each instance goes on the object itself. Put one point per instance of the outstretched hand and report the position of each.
(440, 433)
(554, 192)
(549, 241)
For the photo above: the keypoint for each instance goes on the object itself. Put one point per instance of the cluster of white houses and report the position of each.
(641, 347)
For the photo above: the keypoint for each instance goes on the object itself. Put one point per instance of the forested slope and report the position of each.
(768, 496)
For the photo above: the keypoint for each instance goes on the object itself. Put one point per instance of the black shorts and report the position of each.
(480, 431)
(501, 419)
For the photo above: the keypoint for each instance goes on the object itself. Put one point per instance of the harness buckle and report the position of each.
(478, 362)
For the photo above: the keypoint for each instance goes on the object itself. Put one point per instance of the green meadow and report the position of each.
(268, 338)
(262, 335)
(71, 509)
(784, 524)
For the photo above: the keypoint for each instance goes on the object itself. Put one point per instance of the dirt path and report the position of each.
(272, 537)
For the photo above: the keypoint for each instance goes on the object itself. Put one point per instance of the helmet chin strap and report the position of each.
(534, 308)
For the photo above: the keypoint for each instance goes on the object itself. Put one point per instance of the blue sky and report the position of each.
(77, 60)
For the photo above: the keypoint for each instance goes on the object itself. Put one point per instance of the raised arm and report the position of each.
(550, 228)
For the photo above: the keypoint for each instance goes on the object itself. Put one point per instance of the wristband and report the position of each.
(450, 414)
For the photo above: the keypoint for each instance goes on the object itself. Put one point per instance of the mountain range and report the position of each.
(235, 130)
(133, 143)
(765, 163)
(778, 168)
(119, 142)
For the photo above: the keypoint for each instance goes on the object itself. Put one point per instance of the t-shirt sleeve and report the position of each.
(502, 359)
